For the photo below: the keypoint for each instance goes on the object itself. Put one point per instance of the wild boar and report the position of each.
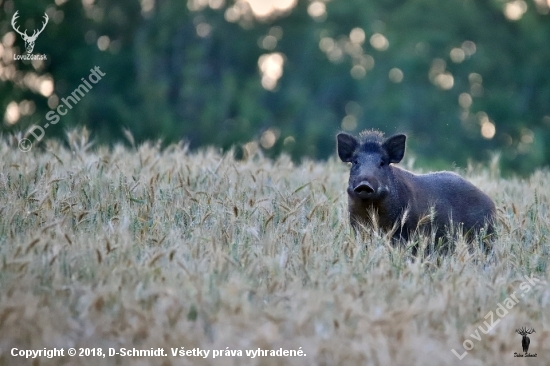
(403, 201)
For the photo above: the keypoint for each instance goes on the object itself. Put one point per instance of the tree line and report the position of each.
(465, 79)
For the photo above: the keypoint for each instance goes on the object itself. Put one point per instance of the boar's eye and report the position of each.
(382, 163)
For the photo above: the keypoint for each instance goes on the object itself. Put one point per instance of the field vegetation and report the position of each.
(146, 247)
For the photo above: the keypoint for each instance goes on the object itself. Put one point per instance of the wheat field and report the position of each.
(146, 248)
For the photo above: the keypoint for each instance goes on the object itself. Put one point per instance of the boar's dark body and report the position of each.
(399, 199)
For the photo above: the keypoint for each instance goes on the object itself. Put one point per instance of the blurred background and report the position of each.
(466, 79)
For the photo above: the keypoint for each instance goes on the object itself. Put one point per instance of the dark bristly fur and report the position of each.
(402, 201)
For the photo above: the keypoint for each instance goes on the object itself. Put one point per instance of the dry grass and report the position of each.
(147, 248)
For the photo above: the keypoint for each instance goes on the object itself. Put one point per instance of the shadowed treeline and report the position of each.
(464, 79)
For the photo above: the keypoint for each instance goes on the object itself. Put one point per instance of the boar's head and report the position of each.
(370, 156)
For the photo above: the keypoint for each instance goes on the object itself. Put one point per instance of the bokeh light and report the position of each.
(12, 114)
(396, 75)
(514, 10)
(379, 42)
(357, 35)
(267, 8)
(271, 67)
(269, 138)
(317, 10)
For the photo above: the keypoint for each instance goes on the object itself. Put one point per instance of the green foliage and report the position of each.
(182, 70)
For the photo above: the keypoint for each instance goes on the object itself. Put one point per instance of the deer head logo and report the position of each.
(29, 40)
(525, 340)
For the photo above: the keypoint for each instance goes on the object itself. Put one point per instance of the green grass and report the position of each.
(147, 248)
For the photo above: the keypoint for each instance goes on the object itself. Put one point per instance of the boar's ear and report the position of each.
(395, 147)
(346, 146)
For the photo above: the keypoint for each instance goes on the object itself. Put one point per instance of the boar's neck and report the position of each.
(392, 207)
(405, 196)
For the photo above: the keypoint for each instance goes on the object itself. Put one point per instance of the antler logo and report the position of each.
(29, 40)
(525, 340)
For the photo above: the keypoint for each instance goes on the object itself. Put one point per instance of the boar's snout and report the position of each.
(364, 190)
